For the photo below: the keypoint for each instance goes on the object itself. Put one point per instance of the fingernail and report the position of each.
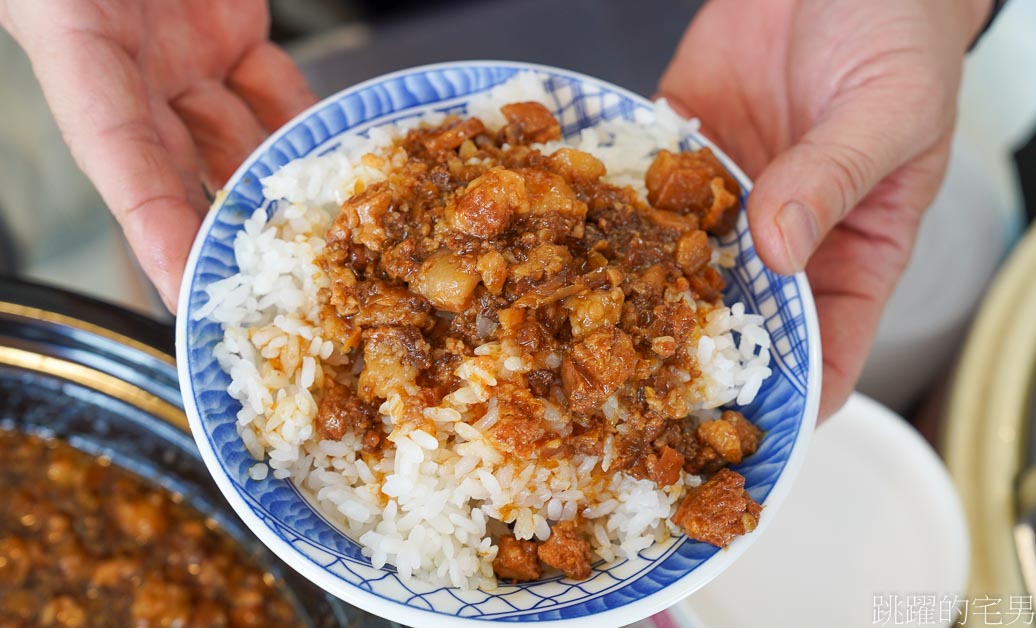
(799, 229)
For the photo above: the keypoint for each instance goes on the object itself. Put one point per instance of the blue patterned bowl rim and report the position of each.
(671, 575)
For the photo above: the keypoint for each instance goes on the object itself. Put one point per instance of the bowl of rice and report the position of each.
(489, 342)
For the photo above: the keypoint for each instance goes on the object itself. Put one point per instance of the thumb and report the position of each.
(806, 190)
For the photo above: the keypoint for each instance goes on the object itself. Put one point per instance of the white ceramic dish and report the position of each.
(874, 518)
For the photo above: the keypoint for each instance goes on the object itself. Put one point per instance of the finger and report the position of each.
(854, 271)
(269, 81)
(808, 188)
(175, 136)
(101, 105)
(850, 296)
(161, 230)
(222, 126)
(841, 341)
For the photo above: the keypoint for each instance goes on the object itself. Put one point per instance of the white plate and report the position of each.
(874, 513)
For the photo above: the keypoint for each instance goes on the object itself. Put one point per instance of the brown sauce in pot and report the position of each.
(86, 543)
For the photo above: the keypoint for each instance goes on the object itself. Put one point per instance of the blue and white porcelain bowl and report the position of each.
(277, 512)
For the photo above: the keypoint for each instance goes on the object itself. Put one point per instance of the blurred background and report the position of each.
(54, 229)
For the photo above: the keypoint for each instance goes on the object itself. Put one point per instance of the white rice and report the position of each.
(430, 505)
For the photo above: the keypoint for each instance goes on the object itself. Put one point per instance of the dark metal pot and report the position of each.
(104, 379)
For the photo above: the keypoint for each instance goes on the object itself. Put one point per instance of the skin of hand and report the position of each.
(842, 112)
(155, 97)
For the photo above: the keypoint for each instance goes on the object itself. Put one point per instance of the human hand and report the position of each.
(842, 111)
(155, 97)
